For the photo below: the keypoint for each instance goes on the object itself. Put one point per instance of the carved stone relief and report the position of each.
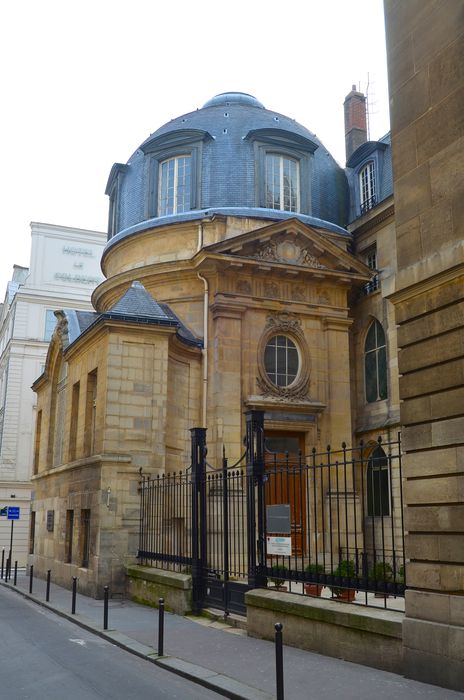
(288, 251)
(243, 287)
(271, 289)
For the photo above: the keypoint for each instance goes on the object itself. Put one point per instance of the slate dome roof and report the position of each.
(226, 134)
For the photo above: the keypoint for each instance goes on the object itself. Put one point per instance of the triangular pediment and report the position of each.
(289, 243)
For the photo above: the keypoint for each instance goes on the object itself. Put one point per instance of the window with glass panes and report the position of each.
(375, 363)
(367, 186)
(282, 183)
(281, 360)
(378, 487)
(174, 185)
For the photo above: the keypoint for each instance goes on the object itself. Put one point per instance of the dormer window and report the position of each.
(283, 162)
(367, 187)
(282, 183)
(174, 171)
(174, 185)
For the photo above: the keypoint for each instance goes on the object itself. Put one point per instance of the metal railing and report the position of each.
(346, 529)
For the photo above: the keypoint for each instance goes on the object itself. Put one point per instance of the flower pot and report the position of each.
(313, 589)
(280, 588)
(346, 594)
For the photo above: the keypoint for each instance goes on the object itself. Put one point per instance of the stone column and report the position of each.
(425, 40)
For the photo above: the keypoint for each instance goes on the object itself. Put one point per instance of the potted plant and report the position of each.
(381, 571)
(278, 577)
(346, 569)
(314, 589)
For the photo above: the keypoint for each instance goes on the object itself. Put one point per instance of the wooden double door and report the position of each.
(286, 480)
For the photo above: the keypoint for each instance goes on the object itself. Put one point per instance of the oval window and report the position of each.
(281, 360)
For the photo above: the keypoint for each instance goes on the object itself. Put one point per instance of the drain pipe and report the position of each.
(205, 347)
(204, 352)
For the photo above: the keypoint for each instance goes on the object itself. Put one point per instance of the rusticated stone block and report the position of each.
(412, 197)
(435, 490)
(429, 379)
(442, 518)
(441, 126)
(432, 351)
(404, 152)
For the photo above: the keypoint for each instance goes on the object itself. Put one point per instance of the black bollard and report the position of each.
(3, 561)
(15, 573)
(279, 662)
(7, 569)
(74, 591)
(105, 608)
(161, 627)
(31, 574)
(47, 594)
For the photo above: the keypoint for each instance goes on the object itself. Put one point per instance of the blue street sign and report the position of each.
(13, 513)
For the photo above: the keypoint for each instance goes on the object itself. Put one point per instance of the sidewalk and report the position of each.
(224, 658)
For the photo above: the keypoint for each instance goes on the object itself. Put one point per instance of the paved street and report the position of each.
(46, 657)
(205, 651)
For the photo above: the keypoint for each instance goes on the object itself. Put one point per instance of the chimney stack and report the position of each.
(355, 121)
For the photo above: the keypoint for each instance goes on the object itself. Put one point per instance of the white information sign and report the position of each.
(279, 545)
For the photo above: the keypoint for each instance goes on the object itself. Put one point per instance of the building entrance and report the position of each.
(284, 480)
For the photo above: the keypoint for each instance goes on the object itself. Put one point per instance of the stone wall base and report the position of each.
(368, 636)
(434, 647)
(147, 585)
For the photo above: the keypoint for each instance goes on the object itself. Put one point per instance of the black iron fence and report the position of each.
(343, 529)
(347, 530)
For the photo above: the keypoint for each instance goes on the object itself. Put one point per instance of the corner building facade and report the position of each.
(245, 269)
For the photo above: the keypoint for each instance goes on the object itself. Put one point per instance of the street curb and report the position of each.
(223, 685)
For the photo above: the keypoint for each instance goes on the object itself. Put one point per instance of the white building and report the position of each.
(64, 270)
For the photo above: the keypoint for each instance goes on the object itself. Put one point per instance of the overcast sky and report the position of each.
(84, 82)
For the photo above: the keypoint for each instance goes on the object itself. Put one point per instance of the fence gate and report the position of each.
(227, 508)
(206, 520)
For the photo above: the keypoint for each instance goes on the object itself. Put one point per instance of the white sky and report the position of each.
(84, 82)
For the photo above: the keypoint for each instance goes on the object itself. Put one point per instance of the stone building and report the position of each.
(425, 42)
(245, 269)
(64, 269)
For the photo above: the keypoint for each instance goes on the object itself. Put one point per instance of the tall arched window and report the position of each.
(378, 484)
(375, 363)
